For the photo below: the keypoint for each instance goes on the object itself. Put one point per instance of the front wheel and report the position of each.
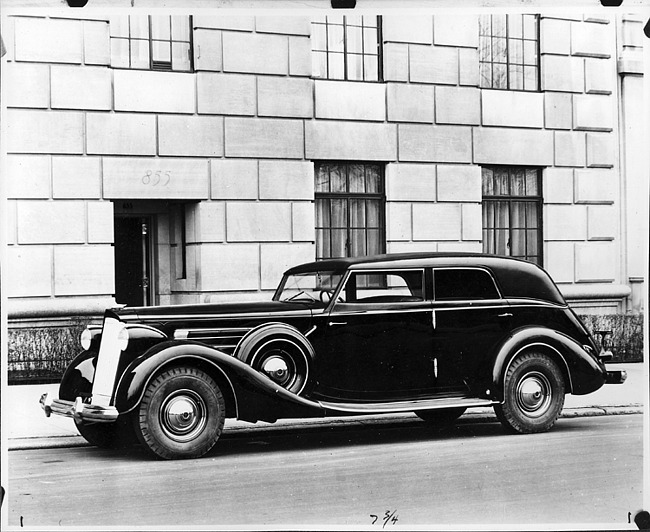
(181, 414)
(533, 394)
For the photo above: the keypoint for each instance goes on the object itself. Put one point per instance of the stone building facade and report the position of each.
(195, 177)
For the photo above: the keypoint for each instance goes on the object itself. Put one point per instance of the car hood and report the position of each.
(208, 309)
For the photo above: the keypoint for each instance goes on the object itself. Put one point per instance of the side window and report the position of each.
(385, 287)
(463, 284)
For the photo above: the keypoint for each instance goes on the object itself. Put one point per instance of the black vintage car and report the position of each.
(433, 334)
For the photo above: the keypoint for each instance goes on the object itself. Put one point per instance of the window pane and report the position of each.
(370, 40)
(375, 242)
(518, 243)
(355, 39)
(318, 37)
(484, 25)
(162, 51)
(336, 67)
(180, 29)
(516, 77)
(515, 28)
(355, 67)
(532, 245)
(499, 76)
(358, 242)
(357, 213)
(357, 178)
(486, 74)
(502, 241)
(531, 182)
(161, 27)
(499, 48)
(487, 176)
(322, 178)
(530, 26)
(373, 213)
(530, 53)
(518, 215)
(139, 26)
(335, 38)
(517, 183)
(323, 249)
(531, 215)
(120, 53)
(515, 51)
(530, 78)
(371, 68)
(338, 178)
(498, 25)
(501, 182)
(339, 238)
(323, 213)
(140, 54)
(339, 213)
(119, 26)
(181, 56)
(373, 179)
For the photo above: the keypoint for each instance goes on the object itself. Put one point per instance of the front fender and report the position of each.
(583, 373)
(256, 396)
(77, 380)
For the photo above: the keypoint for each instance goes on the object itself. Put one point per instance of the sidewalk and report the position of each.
(25, 426)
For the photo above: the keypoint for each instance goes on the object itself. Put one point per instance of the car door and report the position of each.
(470, 317)
(378, 337)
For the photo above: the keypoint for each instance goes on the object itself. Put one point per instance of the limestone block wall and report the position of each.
(237, 140)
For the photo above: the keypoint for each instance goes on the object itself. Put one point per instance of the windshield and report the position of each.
(311, 287)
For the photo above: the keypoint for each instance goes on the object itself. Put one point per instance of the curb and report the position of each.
(313, 425)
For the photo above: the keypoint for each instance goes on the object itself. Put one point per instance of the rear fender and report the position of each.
(253, 396)
(583, 373)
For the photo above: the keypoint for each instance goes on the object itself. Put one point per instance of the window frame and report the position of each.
(346, 53)
(490, 60)
(380, 197)
(153, 67)
(537, 199)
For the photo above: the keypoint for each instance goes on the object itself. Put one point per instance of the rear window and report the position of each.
(463, 284)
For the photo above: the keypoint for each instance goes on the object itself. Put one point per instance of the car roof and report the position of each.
(516, 278)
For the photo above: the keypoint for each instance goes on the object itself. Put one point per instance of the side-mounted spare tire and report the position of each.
(280, 352)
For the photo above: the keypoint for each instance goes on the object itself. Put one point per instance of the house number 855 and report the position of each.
(157, 178)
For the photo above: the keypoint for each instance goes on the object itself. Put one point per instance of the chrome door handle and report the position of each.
(505, 315)
(332, 323)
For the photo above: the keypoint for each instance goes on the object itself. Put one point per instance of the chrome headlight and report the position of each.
(86, 339)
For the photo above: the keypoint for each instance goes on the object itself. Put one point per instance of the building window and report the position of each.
(350, 205)
(347, 47)
(155, 42)
(512, 212)
(509, 52)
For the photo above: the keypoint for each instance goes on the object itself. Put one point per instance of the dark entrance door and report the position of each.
(133, 260)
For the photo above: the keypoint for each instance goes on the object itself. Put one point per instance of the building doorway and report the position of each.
(133, 259)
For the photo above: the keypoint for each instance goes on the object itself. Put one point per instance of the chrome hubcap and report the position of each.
(183, 415)
(534, 394)
(276, 368)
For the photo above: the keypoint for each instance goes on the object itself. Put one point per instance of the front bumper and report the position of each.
(78, 409)
(615, 377)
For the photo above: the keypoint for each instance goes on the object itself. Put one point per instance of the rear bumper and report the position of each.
(615, 377)
(78, 409)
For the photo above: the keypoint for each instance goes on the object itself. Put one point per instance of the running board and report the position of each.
(406, 406)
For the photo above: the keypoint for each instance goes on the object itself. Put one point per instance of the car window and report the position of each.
(384, 287)
(463, 284)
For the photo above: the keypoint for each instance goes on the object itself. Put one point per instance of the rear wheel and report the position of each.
(533, 394)
(441, 418)
(181, 414)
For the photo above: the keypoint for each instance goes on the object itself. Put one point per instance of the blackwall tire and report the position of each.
(441, 418)
(533, 394)
(181, 414)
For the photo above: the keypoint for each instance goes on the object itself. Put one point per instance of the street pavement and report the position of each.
(24, 425)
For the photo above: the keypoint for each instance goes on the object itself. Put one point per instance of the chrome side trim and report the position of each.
(408, 406)
(217, 315)
(310, 331)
